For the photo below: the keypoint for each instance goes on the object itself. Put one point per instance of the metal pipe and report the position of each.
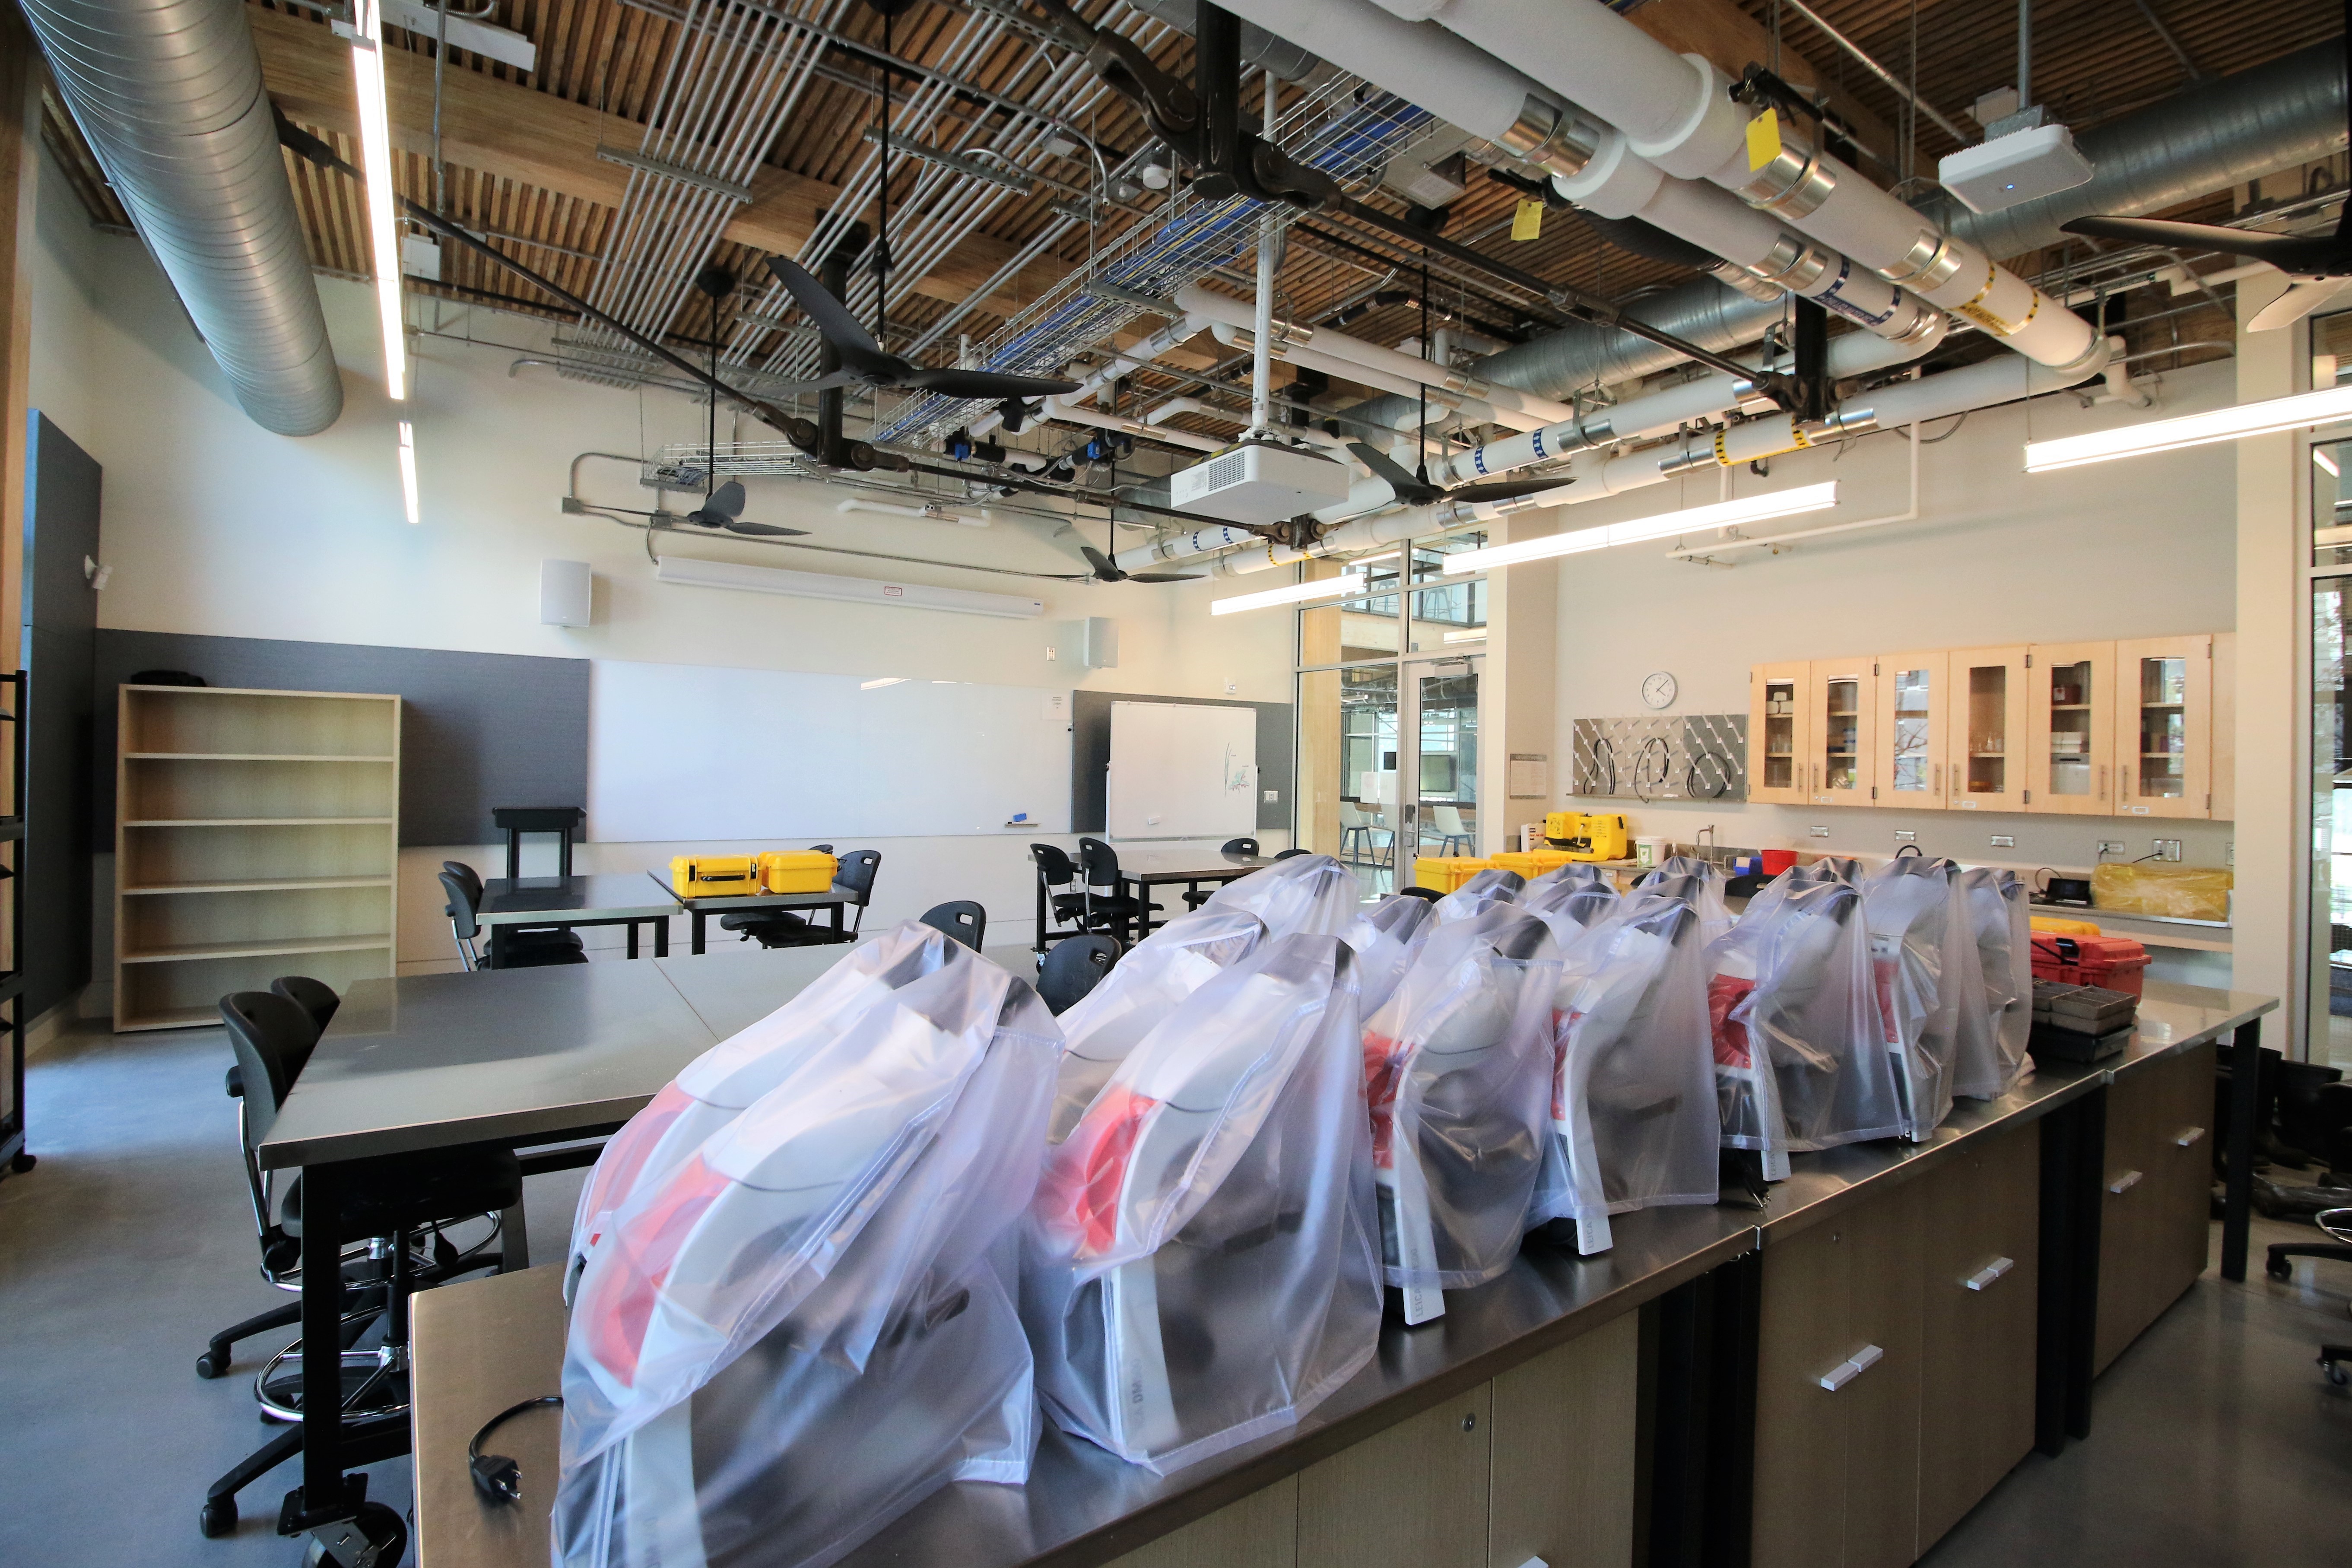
(169, 95)
(2024, 54)
(1889, 79)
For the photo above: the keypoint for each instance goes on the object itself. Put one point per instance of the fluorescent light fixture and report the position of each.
(1478, 636)
(1666, 525)
(408, 468)
(383, 204)
(2326, 464)
(885, 680)
(1323, 588)
(696, 573)
(2323, 408)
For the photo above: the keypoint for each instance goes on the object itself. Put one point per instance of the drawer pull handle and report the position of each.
(2124, 1182)
(2187, 1136)
(1988, 1273)
(1853, 1366)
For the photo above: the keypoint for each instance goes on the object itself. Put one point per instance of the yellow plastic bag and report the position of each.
(2184, 892)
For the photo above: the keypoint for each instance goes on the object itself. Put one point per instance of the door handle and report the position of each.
(1988, 1273)
(1853, 1366)
(2187, 1136)
(2124, 1182)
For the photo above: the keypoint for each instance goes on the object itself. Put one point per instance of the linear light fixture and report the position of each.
(2326, 464)
(408, 468)
(366, 34)
(1322, 588)
(697, 572)
(2322, 407)
(1478, 636)
(1666, 525)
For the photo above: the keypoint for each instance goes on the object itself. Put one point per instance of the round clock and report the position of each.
(1658, 691)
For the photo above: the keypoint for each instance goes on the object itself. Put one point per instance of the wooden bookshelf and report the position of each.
(257, 833)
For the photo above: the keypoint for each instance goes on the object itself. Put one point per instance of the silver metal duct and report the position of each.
(169, 94)
(2203, 139)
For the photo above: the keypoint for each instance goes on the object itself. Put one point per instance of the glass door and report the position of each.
(1437, 770)
(1843, 706)
(1776, 734)
(1912, 704)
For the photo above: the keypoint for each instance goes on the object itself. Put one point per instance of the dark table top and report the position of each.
(1179, 865)
(598, 897)
(746, 900)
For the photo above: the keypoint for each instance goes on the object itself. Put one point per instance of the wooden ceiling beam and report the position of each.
(515, 133)
(1719, 31)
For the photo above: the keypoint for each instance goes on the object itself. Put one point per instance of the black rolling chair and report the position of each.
(392, 1200)
(517, 939)
(1107, 909)
(960, 918)
(524, 949)
(853, 884)
(1061, 902)
(1073, 969)
(315, 997)
(1293, 853)
(1432, 894)
(1195, 897)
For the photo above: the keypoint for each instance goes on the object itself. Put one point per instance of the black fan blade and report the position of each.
(1408, 489)
(1106, 569)
(1162, 577)
(1508, 489)
(762, 530)
(2287, 252)
(843, 330)
(950, 381)
(727, 500)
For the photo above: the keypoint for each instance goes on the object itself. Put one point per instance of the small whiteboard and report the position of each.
(1178, 771)
(699, 753)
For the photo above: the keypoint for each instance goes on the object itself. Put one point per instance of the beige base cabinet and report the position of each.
(1538, 1463)
(2155, 1222)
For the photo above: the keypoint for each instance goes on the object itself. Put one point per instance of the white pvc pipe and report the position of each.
(934, 513)
(1066, 409)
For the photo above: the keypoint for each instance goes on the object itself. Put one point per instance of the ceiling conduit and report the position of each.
(168, 93)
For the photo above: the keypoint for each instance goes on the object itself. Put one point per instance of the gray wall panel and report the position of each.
(477, 729)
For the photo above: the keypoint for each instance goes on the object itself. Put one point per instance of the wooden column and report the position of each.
(20, 165)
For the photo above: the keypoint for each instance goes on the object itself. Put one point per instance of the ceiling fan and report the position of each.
(1414, 490)
(722, 505)
(864, 362)
(2320, 265)
(1106, 570)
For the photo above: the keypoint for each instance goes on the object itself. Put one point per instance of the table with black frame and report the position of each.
(700, 910)
(1149, 869)
(536, 902)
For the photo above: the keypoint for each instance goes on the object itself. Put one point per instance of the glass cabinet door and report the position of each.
(1913, 705)
(2073, 715)
(2164, 735)
(1985, 740)
(1843, 710)
(1776, 727)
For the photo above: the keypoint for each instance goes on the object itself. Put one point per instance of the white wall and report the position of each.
(214, 526)
(2137, 548)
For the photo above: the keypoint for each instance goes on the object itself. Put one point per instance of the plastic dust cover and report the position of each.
(1203, 1260)
(2182, 892)
(1458, 1069)
(1570, 908)
(715, 1088)
(1801, 1053)
(1992, 1054)
(807, 1326)
(1634, 1122)
(1570, 875)
(1306, 895)
(1480, 893)
(1385, 937)
(1699, 883)
(1140, 991)
(1923, 948)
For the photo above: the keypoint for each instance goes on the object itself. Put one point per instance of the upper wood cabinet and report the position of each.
(1778, 734)
(2164, 726)
(1914, 715)
(2225, 749)
(1842, 704)
(1985, 740)
(2069, 728)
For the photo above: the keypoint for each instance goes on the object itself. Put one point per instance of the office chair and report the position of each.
(1106, 907)
(521, 936)
(390, 1201)
(315, 997)
(960, 918)
(465, 903)
(1293, 853)
(1060, 899)
(1432, 894)
(853, 884)
(1195, 897)
(1447, 827)
(1072, 969)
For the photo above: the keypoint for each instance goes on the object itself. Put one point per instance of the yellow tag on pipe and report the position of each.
(1526, 223)
(1763, 138)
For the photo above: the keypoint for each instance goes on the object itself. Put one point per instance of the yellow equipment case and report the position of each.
(797, 870)
(1445, 874)
(714, 876)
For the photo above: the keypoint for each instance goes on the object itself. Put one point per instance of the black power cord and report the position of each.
(497, 1478)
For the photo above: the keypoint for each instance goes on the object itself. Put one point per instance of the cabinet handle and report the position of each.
(1853, 1366)
(1988, 1273)
(2102, 781)
(2187, 1136)
(2124, 1182)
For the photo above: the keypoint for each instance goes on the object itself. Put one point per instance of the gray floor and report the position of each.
(2216, 1442)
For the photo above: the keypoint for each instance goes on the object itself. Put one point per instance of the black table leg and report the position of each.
(324, 1495)
(1041, 914)
(2245, 1101)
(2073, 1198)
(695, 945)
(661, 937)
(633, 939)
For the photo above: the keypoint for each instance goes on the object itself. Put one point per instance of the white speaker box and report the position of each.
(567, 590)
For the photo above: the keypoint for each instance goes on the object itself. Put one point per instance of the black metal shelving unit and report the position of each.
(12, 974)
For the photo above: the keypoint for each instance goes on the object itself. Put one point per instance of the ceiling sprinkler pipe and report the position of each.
(1067, 410)
(1677, 111)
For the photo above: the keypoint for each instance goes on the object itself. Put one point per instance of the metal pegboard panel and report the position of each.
(1662, 756)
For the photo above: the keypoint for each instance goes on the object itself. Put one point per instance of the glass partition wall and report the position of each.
(1388, 713)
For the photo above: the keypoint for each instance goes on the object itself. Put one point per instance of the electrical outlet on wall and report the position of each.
(1050, 654)
(1272, 796)
(1905, 836)
(1821, 833)
(2166, 848)
(2004, 841)
(2111, 846)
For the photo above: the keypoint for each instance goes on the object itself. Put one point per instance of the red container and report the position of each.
(2117, 962)
(1779, 860)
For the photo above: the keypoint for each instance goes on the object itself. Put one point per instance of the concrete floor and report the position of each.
(2216, 1440)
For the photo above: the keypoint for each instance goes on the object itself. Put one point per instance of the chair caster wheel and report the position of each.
(2279, 1268)
(209, 1366)
(375, 1537)
(218, 1518)
(2337, 1374)
(21, 1163)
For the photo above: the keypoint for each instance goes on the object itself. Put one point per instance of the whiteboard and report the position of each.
(696, 753)
(1179, 771)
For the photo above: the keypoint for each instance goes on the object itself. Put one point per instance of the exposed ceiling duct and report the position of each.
(169, 95)
(1259, 48)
